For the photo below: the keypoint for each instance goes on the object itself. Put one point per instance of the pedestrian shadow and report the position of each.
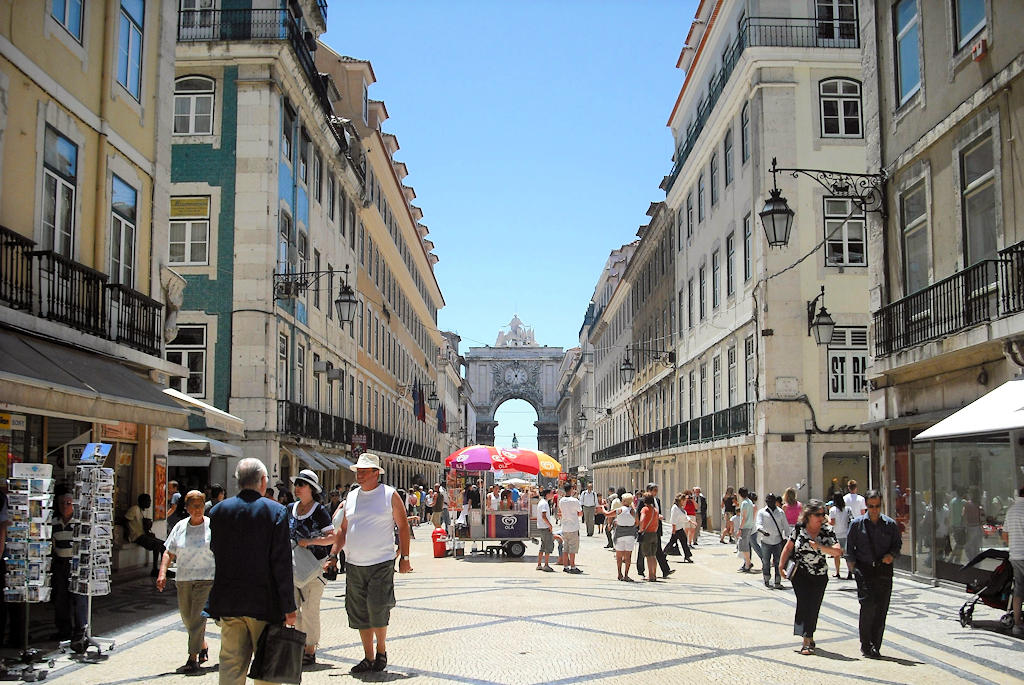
(377, 677)
(834, 656)
(899, 661)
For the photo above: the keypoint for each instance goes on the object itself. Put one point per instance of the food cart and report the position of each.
(509, 527)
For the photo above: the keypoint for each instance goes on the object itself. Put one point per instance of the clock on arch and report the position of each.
(515, 375)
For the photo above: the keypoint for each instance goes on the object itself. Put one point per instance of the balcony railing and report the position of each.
(254, 25)
(296, 419)
(71, 293)
(726, 423)
(135, 320)
(15, 269)
(990, 289)
(763, 32)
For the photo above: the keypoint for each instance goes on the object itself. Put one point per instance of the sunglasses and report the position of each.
(819, 513)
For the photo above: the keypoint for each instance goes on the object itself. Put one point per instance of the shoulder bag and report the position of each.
(278, 657)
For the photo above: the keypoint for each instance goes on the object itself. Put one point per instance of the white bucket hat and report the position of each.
(310, 478)
(367, 461)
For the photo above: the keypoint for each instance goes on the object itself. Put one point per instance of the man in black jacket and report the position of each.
(652, 490)
(702, 511)
(252, 586)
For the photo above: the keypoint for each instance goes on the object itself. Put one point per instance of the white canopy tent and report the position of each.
(999, 411)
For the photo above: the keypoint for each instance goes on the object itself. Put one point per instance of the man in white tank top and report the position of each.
(366, 531)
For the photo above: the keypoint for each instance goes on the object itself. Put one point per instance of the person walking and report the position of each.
(690, 508)
(773, 529)
(366, 533)
(840, 516)
(588, 500)
(746, 530)
(702, 512)
(599, 513)
(545, 529)
(678, 520)
(1013, 536)
(188, 544)
(853, 501)
(728, 511)
(649, 542)
(570, 511)
(873, 544)
(310, 527)
(791, 506)
(437, 506)
(612, 502)
(810, 544)
(252, 587)
(625, 534)
(446, 517)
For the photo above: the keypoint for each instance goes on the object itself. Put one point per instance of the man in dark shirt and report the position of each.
(69, 609)
(252, 588)
(873, 544)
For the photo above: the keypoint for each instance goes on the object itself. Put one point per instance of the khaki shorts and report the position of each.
(547, 541)
(369, 594)
(571, 542)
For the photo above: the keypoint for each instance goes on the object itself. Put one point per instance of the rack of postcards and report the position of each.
(94, 513)
(28, 547)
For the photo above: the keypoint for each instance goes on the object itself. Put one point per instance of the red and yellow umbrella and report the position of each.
(535, 461)
(490, 458)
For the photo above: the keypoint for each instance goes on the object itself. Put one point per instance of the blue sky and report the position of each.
(535, 137)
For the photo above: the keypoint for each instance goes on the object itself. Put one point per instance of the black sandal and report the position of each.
(364, 666)
(381, 662)
(204, 655)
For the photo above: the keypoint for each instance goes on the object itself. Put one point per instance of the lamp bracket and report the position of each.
(868, 190)
(810, 308)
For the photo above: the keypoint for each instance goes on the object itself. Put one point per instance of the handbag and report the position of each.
(278, 656)
(305, 566)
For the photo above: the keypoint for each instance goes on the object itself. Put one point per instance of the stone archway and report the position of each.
(516, 368)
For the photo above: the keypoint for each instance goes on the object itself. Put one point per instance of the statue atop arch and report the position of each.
(517, 335)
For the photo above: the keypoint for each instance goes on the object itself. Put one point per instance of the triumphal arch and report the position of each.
(516, 367)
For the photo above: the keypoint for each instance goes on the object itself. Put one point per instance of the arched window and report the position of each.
(840, 108)
(193, 105)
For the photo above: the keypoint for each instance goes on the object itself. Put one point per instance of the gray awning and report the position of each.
(57, 379)
(309, 459)
(207, 416)
(999, 411)
(334, 460)
(189, 460)
(183, 441)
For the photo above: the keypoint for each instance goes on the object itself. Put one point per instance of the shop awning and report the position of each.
(336, 462)
(999, 411)
(308, 458)
(207, 416)
(183, 441)
(59, 380)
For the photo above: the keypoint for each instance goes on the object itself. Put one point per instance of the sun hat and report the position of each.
(367, 461)
(309, 478)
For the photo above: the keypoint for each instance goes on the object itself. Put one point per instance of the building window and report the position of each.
(702, 281)
(837, 23)
(316, 291)
(189, 350)
(714, 179)
(716, 279)
(914, 226)
(304, 157)
(716, 383)
(282, 367)
(748, 263)
(129, 46)
(703, 389)
(68, 14)
(969, 18)
(847, 361)
(300, 374)
(331, 197)
(302, 247)
(60, 180)
(693, 394)
(978, 189)
(745, 132)
(193, 105)
(316, 382)
(689, 303)
(700, 198)
(689, 214)
(318, 177)
(730, 269)
(330, 292)
(284, 236)
(750, 368)
(839, 99)
(844, 232)
(287, 132)
(908, 67)
(727, 155)
(731, 377)
(189, 231)
(123, 202)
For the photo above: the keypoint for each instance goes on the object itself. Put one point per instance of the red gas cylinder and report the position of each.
(440, 540)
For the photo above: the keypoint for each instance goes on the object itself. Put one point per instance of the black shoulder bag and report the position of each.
(278, 656)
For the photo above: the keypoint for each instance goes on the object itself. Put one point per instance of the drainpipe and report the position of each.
(808, 432)
(99, 212)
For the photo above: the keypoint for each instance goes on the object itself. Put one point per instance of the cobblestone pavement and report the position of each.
(485, 620)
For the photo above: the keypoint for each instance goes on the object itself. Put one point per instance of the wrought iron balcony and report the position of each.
(988, 290)
(135, 320)
(763, 32)
(296, 419)
(15, 269)
(726, 423)
(70, 293)
(256, 25)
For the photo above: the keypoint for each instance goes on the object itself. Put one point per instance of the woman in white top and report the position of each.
(624, 536)
(189, 544)
(679, 521)
(840, 516)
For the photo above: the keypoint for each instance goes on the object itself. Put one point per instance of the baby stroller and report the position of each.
(991, 582)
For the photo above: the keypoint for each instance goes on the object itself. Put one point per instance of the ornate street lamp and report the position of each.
(627, 370)
(820, 324)
(867, 190)
(432, 400)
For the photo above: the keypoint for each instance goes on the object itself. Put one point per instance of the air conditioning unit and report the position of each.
(979, 50)
(335, 374)
(320, 367)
